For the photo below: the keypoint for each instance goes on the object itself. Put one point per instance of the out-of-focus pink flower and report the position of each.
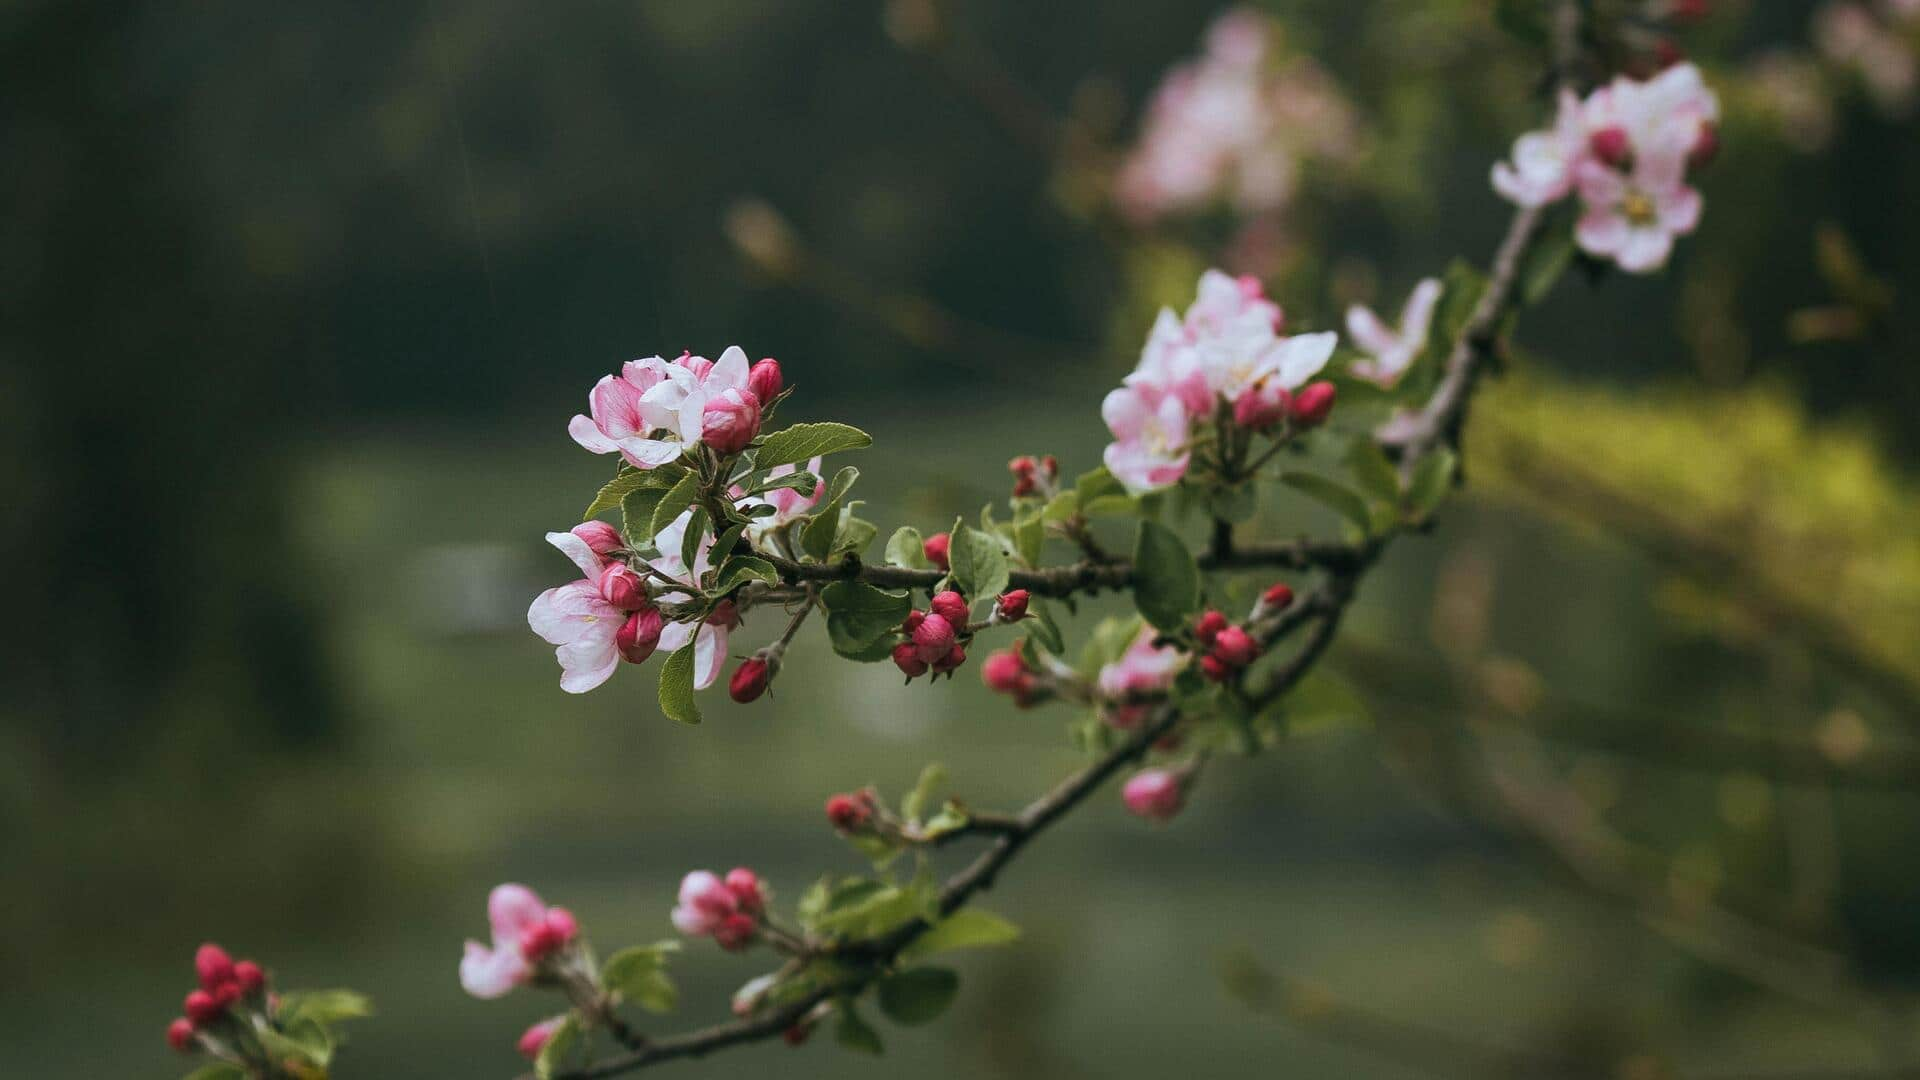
(1671, 112)
(516, 917)
(1155, 794)
(1143, 669)
(1633, 218)
(1392, 351)
(1543, 161)
(1149, 451)
(1851, 35)
(534, 1039)
(722, 910)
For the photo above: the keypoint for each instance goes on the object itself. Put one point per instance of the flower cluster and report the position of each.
(1627, 148)
(528, 938)
(1234, 123)
(728, 909)
(656, 410)
(1229, 648)
(1224, 359)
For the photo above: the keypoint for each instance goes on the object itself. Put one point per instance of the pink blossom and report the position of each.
(516, 916)
(634, 413)
(1149, 428)
(1143, 669)
(1392, 352)
(1544, 161)
(705, 903)
(534, 1039)
(731, 420)
(600, 537)
(1673, 111)
(711, 635)
(579, 619)
(1155, 794)
(1633, 218)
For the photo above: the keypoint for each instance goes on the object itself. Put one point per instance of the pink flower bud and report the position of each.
(639, 635)
(1208, 626)
(1235, 647)
(1705, 148)
(1611, 145)
(1004, 672)
(622, 587)
(227, 994)
(699, 365)
(750, 679)
(1022, 465)
(534, 1039)
(603, 538)
(912, 622)
(735, 932)
(562, 924)
(744, 884)
(1312, 404)
(203, 1008)
(1261, 407)
(214, 967)
(249, 978)
(954, 658)
(933, 638)
(950, 606)
(731, 420)
(765, 381)
(539, 942)
(1154, 794)
(180, 1034)
(1013, 605)
(906, 657)
(935, 548)
(846, 812)
(1278, 597)
(1215, 669)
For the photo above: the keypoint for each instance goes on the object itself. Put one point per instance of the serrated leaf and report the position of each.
(968, 928)
(858, 614)
(906, 549)
(676, 686)
(636, 514)
(802, 481)
(1371, 469)
(855, 1033)
(1432, 479)
(740, 569)
(673, 503)
(931, 777)
(553, 1055)
(1333, 495)
(790, 446)
(917, 995)
(978, 563)
(1166, 581)
(627, 480)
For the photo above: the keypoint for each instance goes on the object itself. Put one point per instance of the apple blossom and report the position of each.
(1392, 351)
(600, 537)
(1632, 218)
(203, 1008)
(1155, 794)
(849, 812)
(1261, 407)
(1541, 171)
(788, 503)
(1144, 668)
(1234, 647)
(639, 636)
(711, 907)
(524, 930)
(1208, 626)
(1278, 597)
(1004, 672)
(213, 966)
(751, 678)
(248, 977)
(730, 420)
(744, 884)
(710, 636)
(1012, 605)
(1149, 428)
(950, 606)
(933, 638)
(765, 380)
(953, 659)
(906, 657)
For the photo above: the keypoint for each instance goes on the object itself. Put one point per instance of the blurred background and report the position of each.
(297, 302)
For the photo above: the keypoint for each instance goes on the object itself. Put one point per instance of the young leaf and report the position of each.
(1166, 581)
(915, 802)
(1335, 496)
(918, 995)
(639, 974)
(859, 614)
(630, 479)
(1431, 480)
(674, 503)
(800, 442)
(906, 549)
(690, 538)
(553, 1056)
(978, 562)
(855, 1033)
(854, 536)
(322, 1006)
(740, 569)
(1043, 630)
(1371, 469)
(968, 928)
(1098, 492)
(676, 686)
(817, 538)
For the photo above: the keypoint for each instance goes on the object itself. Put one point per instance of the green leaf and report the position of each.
(674, 503)
(1460, 294)
(855, 1033)
(553, 1056)
(1332, 494)
(676, 686)
(1371, 469)
(690, 538)
(1322, 704)
(915, 802)
(968, 928)
(639, 975)
(1029, 536)
(818, 536)
(858, 614)
(627, 480)
(1549, 255)
(1061, 507)
(951, 818)
(790, 446)
(864, 908)
(905, 548)
(1166, 581)
(1098, 492)
(978, 563)
(322, 1006)
(636, 514)
(1042, 629)
(854, 536)
(307, 1043)
(1432, 479)
(918, 995)
(801, 481)
(740, 569)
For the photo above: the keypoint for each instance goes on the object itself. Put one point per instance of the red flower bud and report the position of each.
(750, 679)
(950, 606)
(797, 1034)
(249, 978)
(907, 658)
(933, 638)
(180, 1034)
(1021, 466)
(744, 884)
(1004, 673)
(562, 924)
(639, 635)
(539, 942)
(1611, 145)
(735, 932)
(954, 658)
(846, 812)
(1208, 626)
(1278, 597)
(1013, 605)
(227, 994)
(622, 587)
(600, 536)
(935, 549)
(730, 421)
(1155, 794)
(1705, 148)
(203, 1008)
(1235, 647)
(765, 381)
(1050, 465)
(1260, 408)
(1312, 404)
(1213, 669)
(1024, 486)
(214, 967)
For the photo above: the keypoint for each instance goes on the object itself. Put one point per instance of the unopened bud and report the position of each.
(935, 548)
(765, 380)
(735, 932)
(622, 587)
(1260, 408)
(1215, 669)
(950, 606)
(846, 812)
(534, 1039)
(213, 966)
(1004, 672)
(640, 634)
(1278, 597)
(1312, 404)
(933, 637)
(563, 925)
(744, 884)
(906, 657)
(249, 978)
(603, 538)
(730, 421)
(1611, 145)
(750, 679)
(180, 1034)
(1154, 794)
(1208, 626)
(203, 1008)
(954, 658)
(1235, 647)
(1012, 606)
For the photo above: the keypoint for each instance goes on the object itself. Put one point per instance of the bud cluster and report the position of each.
(1226, 648)
(729, 910)
(1035, 477)
(211, 1021)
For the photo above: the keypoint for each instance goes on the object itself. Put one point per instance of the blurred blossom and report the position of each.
(1873, 40)
(1789, 88)
(1235, 124)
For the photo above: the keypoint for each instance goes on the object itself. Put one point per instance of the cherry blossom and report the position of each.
(655, 410)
